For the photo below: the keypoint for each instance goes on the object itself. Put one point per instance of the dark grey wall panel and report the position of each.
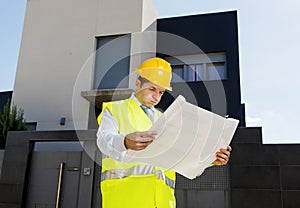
(206, 199)
(181, 198)
(255, 177)
(290, 177)
(289, 154)
(263, 175)
(251, 154)
(256, 199)
(11, 194)
(291, 199)
(248, 135)
(187, 198)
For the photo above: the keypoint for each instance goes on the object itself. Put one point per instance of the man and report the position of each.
(123, 125)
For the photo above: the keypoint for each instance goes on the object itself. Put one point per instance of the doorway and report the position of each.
(54, 175)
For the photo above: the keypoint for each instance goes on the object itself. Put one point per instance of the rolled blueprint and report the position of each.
(188, 138)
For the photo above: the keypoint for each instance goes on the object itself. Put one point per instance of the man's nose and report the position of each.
(156, 95)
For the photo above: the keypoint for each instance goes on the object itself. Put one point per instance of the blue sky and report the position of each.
(12, 14)
(269, 45)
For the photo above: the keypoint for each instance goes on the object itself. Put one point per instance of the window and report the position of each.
(112, 62)
(203, 67)
(69, 146)
(31, 126)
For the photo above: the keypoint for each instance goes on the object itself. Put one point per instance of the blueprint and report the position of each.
(187, 140)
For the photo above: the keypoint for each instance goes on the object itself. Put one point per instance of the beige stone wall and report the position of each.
(58, 43)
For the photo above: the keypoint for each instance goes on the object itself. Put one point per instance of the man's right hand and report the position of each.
(139, 140)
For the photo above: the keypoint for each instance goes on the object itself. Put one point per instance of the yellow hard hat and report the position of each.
(157, 71)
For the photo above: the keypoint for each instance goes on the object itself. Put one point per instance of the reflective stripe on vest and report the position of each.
(168, 181)
(123, 173)
(137, 171)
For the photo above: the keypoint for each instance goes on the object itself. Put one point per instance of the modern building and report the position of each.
(76, 54)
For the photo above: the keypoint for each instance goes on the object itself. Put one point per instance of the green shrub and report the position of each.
(11, 119)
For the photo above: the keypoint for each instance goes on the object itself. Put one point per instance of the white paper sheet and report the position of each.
(188, 138)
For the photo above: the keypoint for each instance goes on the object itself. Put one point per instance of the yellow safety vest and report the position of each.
(134, 185)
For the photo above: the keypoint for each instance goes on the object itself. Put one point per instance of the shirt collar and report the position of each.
(138, 102)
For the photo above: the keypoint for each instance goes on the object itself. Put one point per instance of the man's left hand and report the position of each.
(223, 156)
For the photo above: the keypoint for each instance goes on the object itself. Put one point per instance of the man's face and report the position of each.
(149, 94)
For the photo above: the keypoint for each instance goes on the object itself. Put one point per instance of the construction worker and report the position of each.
(123, 125)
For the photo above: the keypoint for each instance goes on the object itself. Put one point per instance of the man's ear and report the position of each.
(137, 84)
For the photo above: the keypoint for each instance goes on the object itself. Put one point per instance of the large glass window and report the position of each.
(112, 62)
(203, 67)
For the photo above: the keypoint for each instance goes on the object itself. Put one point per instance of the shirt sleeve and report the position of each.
(109, 141)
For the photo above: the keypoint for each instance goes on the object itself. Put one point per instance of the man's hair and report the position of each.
(142, 80)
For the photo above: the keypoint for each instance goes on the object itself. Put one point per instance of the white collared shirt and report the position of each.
(109, 141)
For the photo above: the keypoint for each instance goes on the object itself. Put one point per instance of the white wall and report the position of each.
(58, 42)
